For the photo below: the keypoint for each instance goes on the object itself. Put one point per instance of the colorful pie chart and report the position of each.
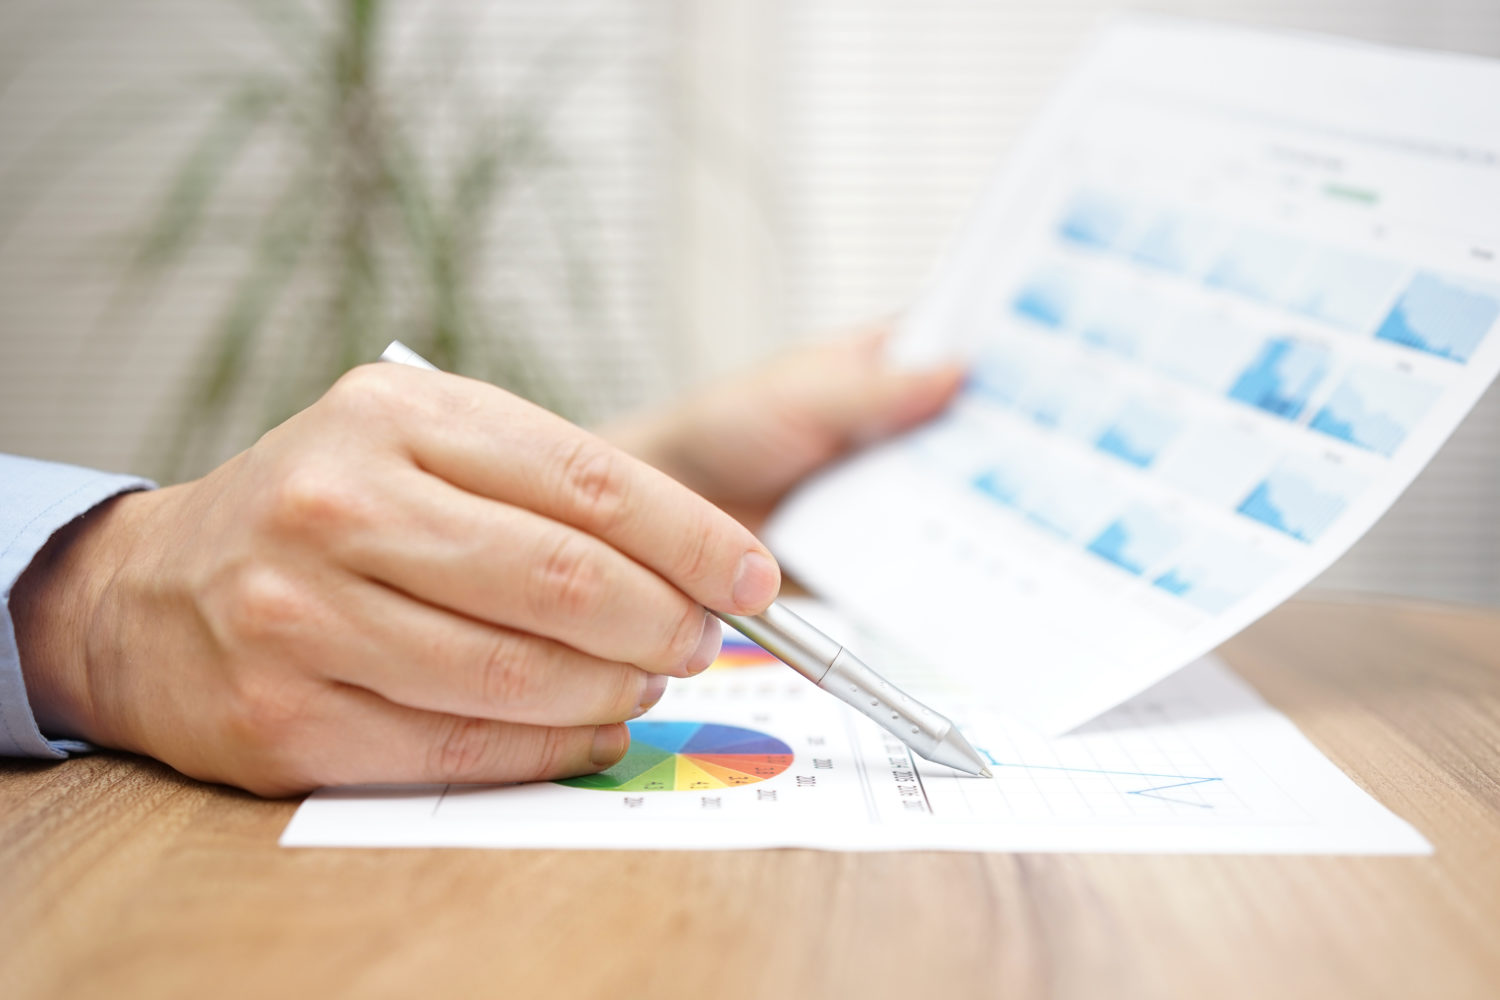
(690, 757)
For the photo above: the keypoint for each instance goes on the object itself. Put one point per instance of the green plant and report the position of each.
(375, 220)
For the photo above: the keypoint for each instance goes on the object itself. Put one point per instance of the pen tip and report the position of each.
(985, 772)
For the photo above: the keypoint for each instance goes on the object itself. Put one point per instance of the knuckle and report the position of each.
(316, 501)
(569, 579)
(596, 482)
(266, 719)
(628, 691)
(263, 605)
(550, 757)
(508, 676)
(699, 556)
(464, 749)
(684, 634)
(366, 390)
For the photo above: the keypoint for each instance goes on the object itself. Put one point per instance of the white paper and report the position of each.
(1230, 279)
(1233, 293)
(1197, 764)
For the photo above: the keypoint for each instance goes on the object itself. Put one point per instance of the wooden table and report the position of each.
(119, 878)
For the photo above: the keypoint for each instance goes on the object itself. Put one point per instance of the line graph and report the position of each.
(1151, 792)
(1154, 793)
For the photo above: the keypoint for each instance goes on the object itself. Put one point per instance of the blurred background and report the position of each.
(208, 208)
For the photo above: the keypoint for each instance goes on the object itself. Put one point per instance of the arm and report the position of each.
(424, 578)
(419, 578)
(42, 505)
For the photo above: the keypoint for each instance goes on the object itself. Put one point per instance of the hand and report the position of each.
(744, 443)
(418, 578)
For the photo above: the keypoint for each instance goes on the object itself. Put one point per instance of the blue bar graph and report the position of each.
(1138, 434)
(1135, 540)
(1298, 500)
(1174, 581)
(1048, 297)
(1374, 409)
(1282, 376)
(999, 485)
(1442, 316)
(1094, 219)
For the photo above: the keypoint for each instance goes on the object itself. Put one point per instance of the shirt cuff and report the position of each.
(36, 499)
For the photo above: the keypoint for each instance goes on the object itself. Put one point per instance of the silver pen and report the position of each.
(795, 642)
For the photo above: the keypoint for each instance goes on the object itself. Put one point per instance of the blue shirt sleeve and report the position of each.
(36, 499)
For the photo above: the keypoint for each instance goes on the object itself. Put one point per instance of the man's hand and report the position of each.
(745, 442)
(418, 578)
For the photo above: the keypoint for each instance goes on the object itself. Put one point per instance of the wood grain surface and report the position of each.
(120, 878)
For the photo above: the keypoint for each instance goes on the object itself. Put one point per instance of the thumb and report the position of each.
(866, 398)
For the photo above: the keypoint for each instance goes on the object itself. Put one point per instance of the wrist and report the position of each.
(56, 607)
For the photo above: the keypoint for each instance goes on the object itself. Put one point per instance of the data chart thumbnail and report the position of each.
(1444, 316)
(1375, 409)
(1096, 219)
(1300, 498)
(1139, 432)
(1282, 376)
(1049, 297)
(1135, 541)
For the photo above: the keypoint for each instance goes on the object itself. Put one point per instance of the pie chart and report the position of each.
(690, 757)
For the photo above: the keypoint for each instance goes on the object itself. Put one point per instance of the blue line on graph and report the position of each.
(1154, 792)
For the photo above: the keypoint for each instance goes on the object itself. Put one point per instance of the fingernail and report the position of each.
(756, 582)
(709, 644)
(656, 686)
(610, 744)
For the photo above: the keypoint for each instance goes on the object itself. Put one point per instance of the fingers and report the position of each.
(489, 442)
(381, 742)
(516, 569)
(863, 398)
(423, 657)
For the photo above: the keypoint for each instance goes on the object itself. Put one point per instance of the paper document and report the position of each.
(1232, 294)
(749, 754)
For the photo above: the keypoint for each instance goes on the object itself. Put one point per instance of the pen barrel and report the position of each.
(853, 682)
(789, 638)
